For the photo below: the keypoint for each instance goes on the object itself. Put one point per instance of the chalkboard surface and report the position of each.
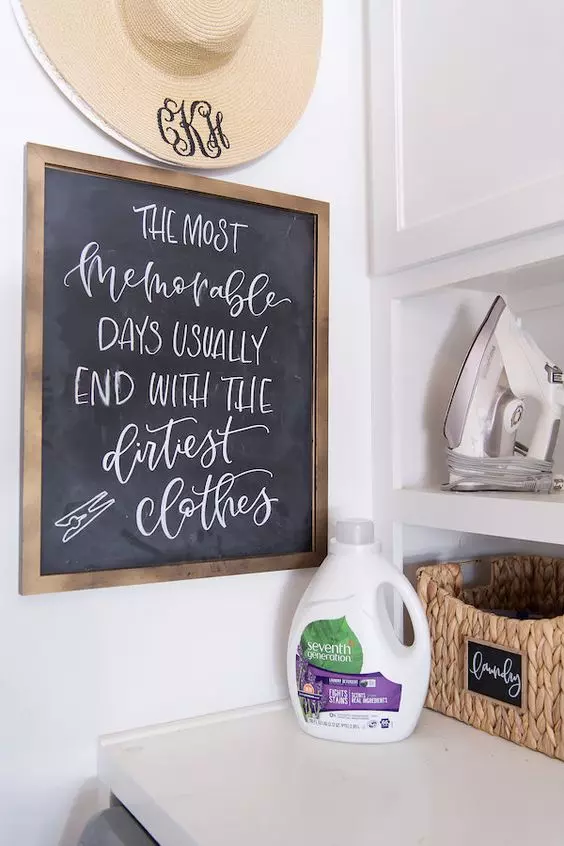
(178, 378)
(496, 673)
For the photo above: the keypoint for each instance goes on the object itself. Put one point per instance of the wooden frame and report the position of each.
(32, 581)
(519, 708)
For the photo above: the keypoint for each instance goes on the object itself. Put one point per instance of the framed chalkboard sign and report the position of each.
(495, 672)
(175, 402)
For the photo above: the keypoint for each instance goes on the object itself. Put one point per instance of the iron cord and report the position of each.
(509, 473)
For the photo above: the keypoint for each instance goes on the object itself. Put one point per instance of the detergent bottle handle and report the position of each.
(420, 651)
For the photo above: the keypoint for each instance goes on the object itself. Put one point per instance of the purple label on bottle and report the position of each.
(322, 690)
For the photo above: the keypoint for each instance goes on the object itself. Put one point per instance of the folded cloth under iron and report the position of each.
(503, 368)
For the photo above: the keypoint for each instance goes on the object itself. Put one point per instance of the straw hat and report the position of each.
(199, 83)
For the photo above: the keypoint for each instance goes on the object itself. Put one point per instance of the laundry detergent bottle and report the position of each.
(349, 676)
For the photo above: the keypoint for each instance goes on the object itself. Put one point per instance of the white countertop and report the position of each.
(252, 778)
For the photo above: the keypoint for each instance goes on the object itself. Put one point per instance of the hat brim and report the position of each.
(259, 93)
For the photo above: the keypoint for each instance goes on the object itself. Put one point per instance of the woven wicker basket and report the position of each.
(456, 614)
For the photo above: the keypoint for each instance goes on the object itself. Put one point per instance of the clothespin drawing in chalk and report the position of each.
(81, 517)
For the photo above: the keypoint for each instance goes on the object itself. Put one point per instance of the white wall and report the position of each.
(75, 665)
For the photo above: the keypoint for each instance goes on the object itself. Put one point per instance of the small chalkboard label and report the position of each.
(496, 673)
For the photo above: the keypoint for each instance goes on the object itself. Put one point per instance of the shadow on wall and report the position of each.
(90, 798)
(447, 363)
(289, 599)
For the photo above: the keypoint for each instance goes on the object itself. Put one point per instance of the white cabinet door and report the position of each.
(467, 124)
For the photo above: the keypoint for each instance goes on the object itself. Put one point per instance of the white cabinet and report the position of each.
(467, 124)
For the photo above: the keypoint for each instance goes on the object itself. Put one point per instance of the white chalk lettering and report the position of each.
(253, 389)
(217, 502)
(179, 389)
(157, 224)
(197, 231)
(233, 345)
(238, 293)
(480, 667)
(102, 388)
(130, 335)
(133, 450)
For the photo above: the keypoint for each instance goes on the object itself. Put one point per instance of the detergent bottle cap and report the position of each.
(355, 531)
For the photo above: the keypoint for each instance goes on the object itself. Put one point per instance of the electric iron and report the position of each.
(503, 369)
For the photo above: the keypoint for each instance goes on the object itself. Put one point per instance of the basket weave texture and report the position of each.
(455, 614)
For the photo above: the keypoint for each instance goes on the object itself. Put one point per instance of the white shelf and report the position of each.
(525, 263)
(252, 777)
(535, 517)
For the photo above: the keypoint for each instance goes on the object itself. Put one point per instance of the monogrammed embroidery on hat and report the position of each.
(153, 74)
(198, 132)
